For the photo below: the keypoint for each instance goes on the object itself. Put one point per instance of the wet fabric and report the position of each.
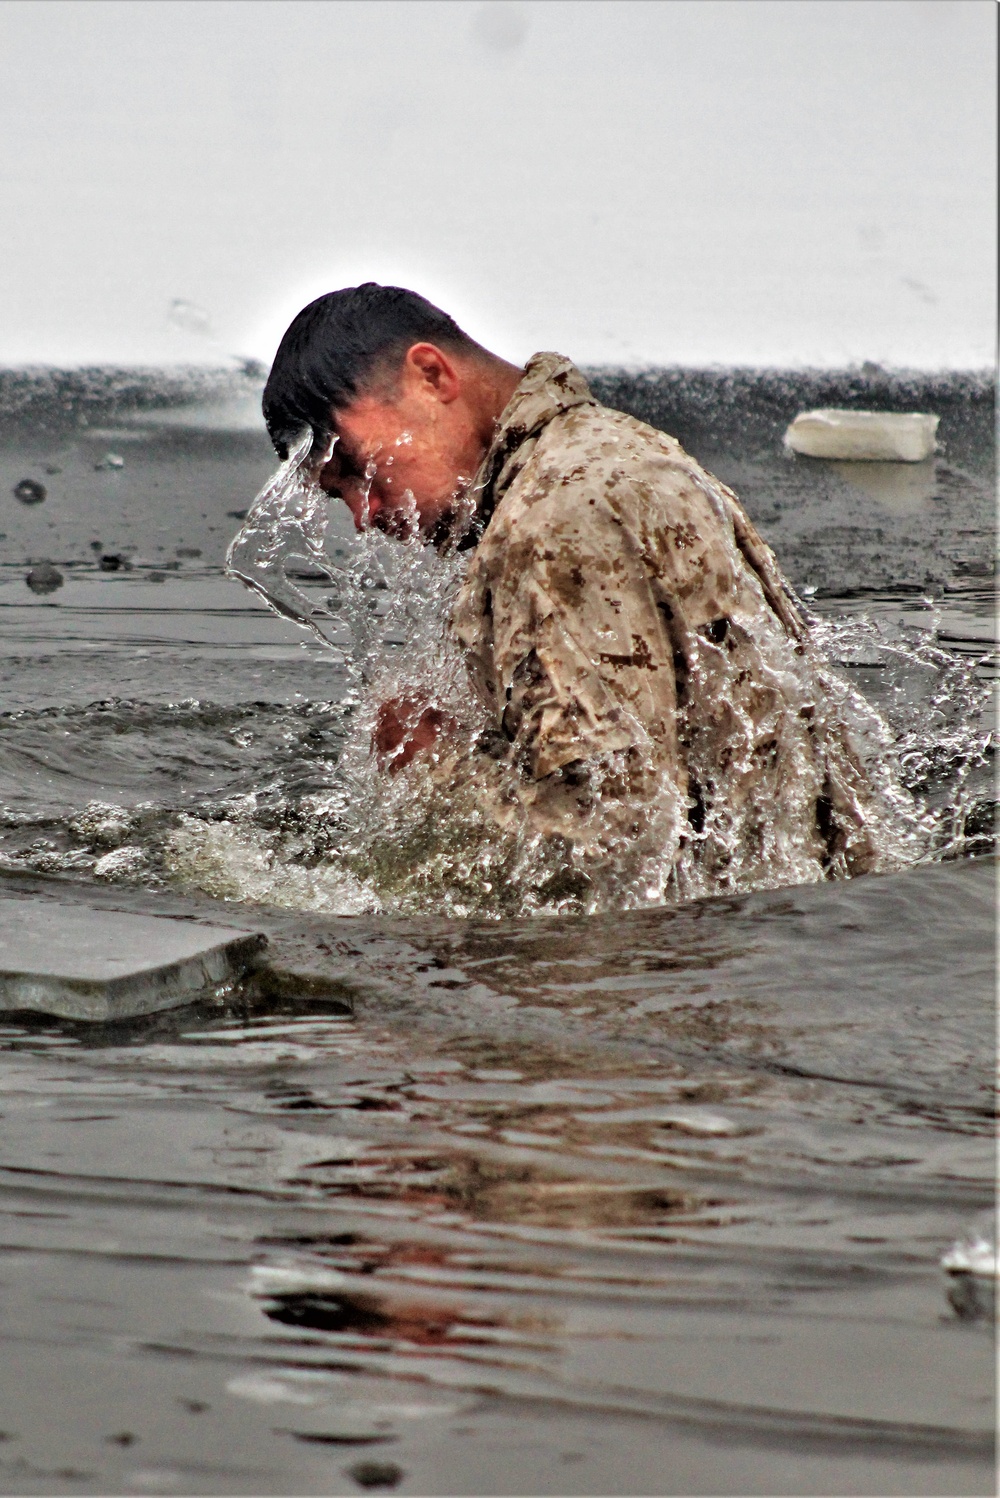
(640, 656)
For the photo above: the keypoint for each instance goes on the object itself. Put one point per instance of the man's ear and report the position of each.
(432, 372)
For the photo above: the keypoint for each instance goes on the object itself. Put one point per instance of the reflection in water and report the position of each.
(900, 488)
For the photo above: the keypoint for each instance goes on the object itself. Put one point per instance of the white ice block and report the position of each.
(864, 436)
(973, 1255)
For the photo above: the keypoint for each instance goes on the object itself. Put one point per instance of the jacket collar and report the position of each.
(551, 384)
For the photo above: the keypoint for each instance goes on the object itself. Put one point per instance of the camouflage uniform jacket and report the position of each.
(621, 611)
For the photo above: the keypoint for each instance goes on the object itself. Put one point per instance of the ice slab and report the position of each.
(976, 1254)
(864, 436)
(86, 964)
(972, 1266)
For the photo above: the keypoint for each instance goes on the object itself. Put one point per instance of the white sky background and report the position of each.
(663, 181)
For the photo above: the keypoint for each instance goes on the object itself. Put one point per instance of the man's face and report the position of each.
(405, 456)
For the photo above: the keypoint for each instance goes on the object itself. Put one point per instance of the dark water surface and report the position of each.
(647, 1203)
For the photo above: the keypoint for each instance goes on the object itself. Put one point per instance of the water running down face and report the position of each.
(408, 449)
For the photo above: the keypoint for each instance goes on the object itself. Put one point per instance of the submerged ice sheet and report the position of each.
(79, 964)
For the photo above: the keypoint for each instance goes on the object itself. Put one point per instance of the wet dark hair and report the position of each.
(335, 349)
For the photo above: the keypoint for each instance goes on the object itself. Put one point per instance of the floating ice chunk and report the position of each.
(294, 1279)
(971, 1267)
(973, 1255)
(864, 436)
(264, 1390)
(698, 1121)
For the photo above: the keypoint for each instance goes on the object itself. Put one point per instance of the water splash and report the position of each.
(288, 805)
(936, 738)
(286, 525)
(383, 591)
(454, 834)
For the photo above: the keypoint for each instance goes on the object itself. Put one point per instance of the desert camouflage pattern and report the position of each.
(641, 660)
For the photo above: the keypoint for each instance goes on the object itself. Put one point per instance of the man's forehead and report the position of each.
(357, 422)
(370, 425)
(365, 408)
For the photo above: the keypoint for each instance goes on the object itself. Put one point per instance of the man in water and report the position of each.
(645, 670)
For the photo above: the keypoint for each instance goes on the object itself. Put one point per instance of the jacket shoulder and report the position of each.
(608, 463)
(594, 424)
